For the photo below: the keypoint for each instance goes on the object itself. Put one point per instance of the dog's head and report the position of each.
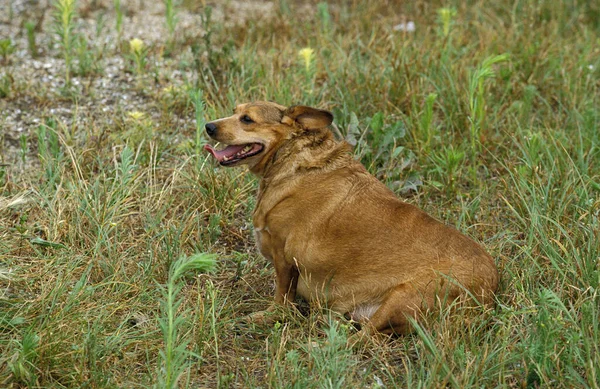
(256, 130)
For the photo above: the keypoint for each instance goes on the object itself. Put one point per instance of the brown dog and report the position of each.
(335, 233)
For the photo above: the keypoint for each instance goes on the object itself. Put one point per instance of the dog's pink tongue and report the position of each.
(228, 151)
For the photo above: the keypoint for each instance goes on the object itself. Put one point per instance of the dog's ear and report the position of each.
(308, 118)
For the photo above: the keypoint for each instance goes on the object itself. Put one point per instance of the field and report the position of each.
(126, 255)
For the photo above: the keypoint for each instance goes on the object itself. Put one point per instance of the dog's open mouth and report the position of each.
(234, 153)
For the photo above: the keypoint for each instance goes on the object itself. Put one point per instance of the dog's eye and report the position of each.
(246, 119)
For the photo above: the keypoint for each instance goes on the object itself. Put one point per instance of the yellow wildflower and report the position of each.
(307, 54)
(446, 15)
(136, 115)
(136, 45)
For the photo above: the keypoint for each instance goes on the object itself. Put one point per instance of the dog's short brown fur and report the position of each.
(335, 233)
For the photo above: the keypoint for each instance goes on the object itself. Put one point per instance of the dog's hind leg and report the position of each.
(402, 302)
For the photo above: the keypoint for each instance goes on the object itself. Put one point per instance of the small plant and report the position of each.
(139, 128)
(324, 16)
(379, 148)
(446, 19)
(6, 49)
(326, 361)
(23, 362)
(199, 108)
(307, 60)
(6, 85)
(138, 54)
(171, 18)
(447, 164)
(64, 12)
(49, 150)
(175, 355)
(206, 46)
(533, 149)
(477, 103)
(307, 56)
(551, 320)
(87, 63)
(332, 358)
(211, 318)
(214, 226)
(31, 42)
(119, 20)
(426, 121)
(100, 25)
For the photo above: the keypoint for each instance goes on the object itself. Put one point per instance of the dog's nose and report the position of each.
(211, 129)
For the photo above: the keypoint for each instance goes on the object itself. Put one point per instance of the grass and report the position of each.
(486, 117)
